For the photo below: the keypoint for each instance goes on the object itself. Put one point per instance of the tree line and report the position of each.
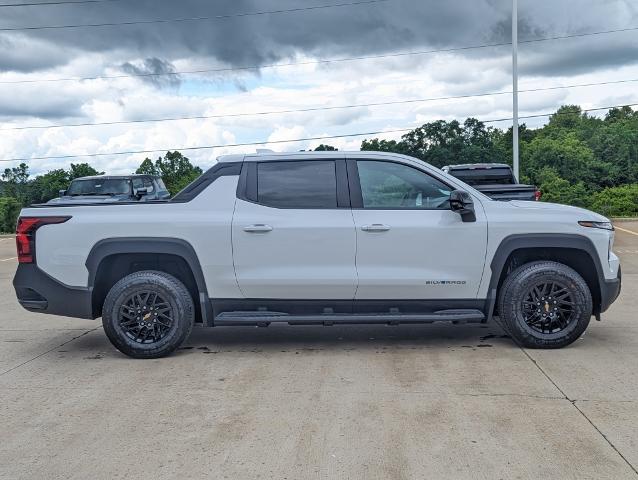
(575, 159)
(19, 189)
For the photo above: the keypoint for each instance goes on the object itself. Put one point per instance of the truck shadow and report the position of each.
(278, 337)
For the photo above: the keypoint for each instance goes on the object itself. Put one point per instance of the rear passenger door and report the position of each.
(293, 231)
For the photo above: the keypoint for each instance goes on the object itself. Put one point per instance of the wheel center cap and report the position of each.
(147, 316)
(546, 307)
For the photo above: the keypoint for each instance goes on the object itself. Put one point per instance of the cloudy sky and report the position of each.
(34, 63)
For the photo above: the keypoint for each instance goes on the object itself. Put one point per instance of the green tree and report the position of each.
(9, 210)
(447, 143)
(45, 187)
(175, 169)
(147, 167)
(376, 145)
(82, 170)
(571, 158)
(326, 148)
(16, 182)
(558, 190)
(617, 201)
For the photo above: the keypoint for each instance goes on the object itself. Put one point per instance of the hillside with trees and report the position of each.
(575, 159)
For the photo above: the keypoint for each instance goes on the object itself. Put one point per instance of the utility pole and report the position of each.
(515, 86)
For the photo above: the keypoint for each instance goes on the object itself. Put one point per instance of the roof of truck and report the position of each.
(269, 155)
(114, 177)
(476, 166)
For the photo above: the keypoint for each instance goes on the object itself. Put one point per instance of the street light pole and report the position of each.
(515, 86)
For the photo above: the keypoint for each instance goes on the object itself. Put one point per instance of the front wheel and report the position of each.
(148, 314)
(545, 305)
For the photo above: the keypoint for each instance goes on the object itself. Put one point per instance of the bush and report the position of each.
(617, 201)
(9, 211)
(558, 190)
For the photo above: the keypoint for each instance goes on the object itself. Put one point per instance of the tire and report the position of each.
(539, 315)
(168, 320)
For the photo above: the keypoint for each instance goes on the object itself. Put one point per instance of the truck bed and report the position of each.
(508, 192)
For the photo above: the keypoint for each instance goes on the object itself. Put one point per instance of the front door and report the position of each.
(293, 232)
(410, 245)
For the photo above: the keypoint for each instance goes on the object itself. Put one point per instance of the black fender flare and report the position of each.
(538, 240)
(160, 245)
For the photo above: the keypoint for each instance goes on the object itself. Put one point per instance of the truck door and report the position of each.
(410, 245)
(293, 231)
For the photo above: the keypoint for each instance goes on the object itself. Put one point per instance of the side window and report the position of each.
(148, 183)
(297, 184)
(137, 183)
(396, 186)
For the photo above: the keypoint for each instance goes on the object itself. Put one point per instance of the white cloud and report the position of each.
(397, 79)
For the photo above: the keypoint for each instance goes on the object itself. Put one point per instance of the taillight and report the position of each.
(537, 195)
(25, 235)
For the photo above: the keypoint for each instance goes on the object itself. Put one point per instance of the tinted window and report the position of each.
(303, 184)
(396, 186)
(100, 186)
(484, 176)
(143, 182)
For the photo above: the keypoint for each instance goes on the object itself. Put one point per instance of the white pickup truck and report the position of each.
(318, 238)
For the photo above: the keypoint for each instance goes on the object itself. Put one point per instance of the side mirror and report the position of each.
(462, 203)
(62, 193)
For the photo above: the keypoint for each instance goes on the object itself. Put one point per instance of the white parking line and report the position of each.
(626, 231)
(8, 259)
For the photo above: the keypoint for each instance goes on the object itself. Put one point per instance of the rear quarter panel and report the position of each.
(204, 222)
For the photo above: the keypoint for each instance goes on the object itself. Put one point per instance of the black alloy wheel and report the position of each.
(146, 317)
(548, 307)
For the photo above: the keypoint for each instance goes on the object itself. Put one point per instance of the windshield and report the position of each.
(98, 186)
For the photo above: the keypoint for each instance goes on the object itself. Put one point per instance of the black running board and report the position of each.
(263, 318)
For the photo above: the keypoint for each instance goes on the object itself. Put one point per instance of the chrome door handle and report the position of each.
(258, 228)
(375, 227)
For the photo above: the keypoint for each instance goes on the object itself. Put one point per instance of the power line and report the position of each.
(317, 62)
(61, 2)
(191, 19)
(315, 109)
(307, 139)
(258, 67)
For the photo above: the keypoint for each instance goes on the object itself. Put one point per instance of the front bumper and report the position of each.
(609, 291)
(39, 292)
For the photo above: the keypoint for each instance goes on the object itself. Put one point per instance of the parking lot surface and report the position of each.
(431, 401)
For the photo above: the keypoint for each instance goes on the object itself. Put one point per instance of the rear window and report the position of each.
(98, 186)
(297, 184)
(484, 176)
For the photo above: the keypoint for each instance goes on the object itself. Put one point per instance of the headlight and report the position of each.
(603, 225)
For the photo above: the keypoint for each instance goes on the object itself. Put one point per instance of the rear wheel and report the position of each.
(545, 305)
(148, 314)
